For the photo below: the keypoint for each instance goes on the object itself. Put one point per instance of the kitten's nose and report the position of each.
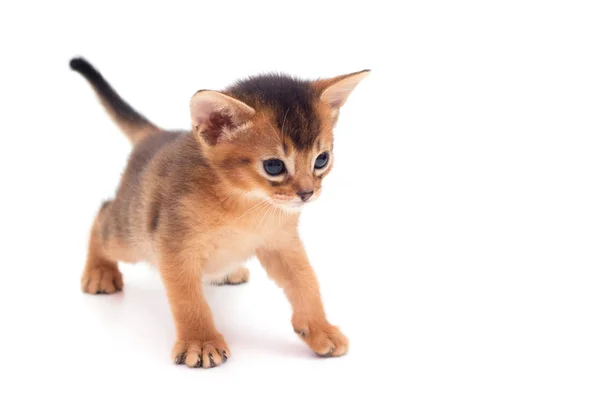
(305, 194)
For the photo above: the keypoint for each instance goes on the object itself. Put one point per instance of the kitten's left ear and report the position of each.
(217, 117)
(335, 91)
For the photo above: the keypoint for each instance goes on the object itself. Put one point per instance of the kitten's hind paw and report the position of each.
(240, 276)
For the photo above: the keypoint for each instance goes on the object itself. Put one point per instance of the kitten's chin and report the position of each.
(292, 207)
(288, 206)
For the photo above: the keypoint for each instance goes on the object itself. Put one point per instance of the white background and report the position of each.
(456, 241)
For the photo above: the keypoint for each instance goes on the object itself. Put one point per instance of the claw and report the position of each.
(180, 359)
(198, 363)
(328, 354)
(301, 333)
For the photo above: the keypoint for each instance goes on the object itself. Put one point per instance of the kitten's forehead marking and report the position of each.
(291, 101)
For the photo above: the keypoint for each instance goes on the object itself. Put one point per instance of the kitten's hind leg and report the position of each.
(239, 276)
(101, 274)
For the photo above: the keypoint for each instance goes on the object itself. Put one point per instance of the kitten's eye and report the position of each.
(274, 166)
(321, 160)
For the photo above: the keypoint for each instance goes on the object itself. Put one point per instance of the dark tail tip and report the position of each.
(77, 63)
(82, 66)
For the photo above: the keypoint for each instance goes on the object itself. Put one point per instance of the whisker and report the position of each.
(270, 216)
(263, 216)
(284, 119)
(279, 216)
(228, 196)
(276, 134)
(254, 207)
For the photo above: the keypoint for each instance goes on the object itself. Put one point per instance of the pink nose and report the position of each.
(305, 194)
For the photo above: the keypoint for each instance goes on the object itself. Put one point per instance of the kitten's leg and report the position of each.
(198, 344)
(288, 266)
(240, 276)
(101, 274)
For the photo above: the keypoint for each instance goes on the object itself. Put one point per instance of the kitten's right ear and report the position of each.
(217, 117)
(335, 91)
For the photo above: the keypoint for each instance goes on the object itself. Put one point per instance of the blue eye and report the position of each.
(274, 166)
(322, 160)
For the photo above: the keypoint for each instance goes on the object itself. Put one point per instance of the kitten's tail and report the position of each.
(135, 126)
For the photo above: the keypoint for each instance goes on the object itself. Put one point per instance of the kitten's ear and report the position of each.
(335, 91)
(217, 116)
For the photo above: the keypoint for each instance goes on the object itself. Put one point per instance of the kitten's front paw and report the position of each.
(101, 279)
(323, 338)
(201, 353)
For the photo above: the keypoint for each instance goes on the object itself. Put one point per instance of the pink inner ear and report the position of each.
(337, 94)
(215, 126)
(336, 100)
(215, 116)
(201, 111)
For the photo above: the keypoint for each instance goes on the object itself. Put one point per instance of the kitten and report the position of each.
(198, 204)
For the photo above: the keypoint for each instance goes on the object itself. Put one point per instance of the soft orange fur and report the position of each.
(198, 210)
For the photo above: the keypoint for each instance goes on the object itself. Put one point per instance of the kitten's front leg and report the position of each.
(288, 266)
(199, 344)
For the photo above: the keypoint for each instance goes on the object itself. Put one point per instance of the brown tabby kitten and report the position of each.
(194, 203)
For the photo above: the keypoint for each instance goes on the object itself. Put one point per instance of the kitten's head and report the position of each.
(271, 137)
